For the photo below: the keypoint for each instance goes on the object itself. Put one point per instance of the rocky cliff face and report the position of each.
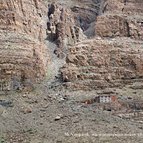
(101, 40)
(121, 18)
(71, 22)
(114, 56)
(62, 28)
(101, 63)
(23, 57)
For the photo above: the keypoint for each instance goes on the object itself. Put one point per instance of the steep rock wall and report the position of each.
(101, 63)
(121, 18)
(112, 58)
(62, 28)
(23, 56)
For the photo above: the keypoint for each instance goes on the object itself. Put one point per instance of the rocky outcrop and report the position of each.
(62, 29)
(23, 56)
(101, 63)
(71, 22)
(121, 18)
(112, 58)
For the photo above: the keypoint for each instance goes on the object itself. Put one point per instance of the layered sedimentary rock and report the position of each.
(114, 56)
(101, 63)
(121, 18)
(71, 22)
(62, 28)
(23, 56)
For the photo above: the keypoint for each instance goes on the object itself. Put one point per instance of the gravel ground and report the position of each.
(56, 115)
(53, 114)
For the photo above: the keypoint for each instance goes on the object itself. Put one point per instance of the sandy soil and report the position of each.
(55, 115)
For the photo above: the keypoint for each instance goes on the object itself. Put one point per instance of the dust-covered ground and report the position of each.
(52, 114)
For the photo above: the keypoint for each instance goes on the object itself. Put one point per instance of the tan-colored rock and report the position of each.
(26, 110)
(121, 18)
(62, 28)
(114, 57)
(108, 63)
(116, 25)
(23, 56)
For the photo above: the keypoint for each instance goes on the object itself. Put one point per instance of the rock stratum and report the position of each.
(114, 57)
(62, 28)
(70, 22)
(23, 55)
(100, 40)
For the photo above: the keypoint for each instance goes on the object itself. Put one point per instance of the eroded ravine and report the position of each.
(67, 25)
(112, 58)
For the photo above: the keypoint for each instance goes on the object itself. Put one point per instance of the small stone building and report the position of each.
(106, 99)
